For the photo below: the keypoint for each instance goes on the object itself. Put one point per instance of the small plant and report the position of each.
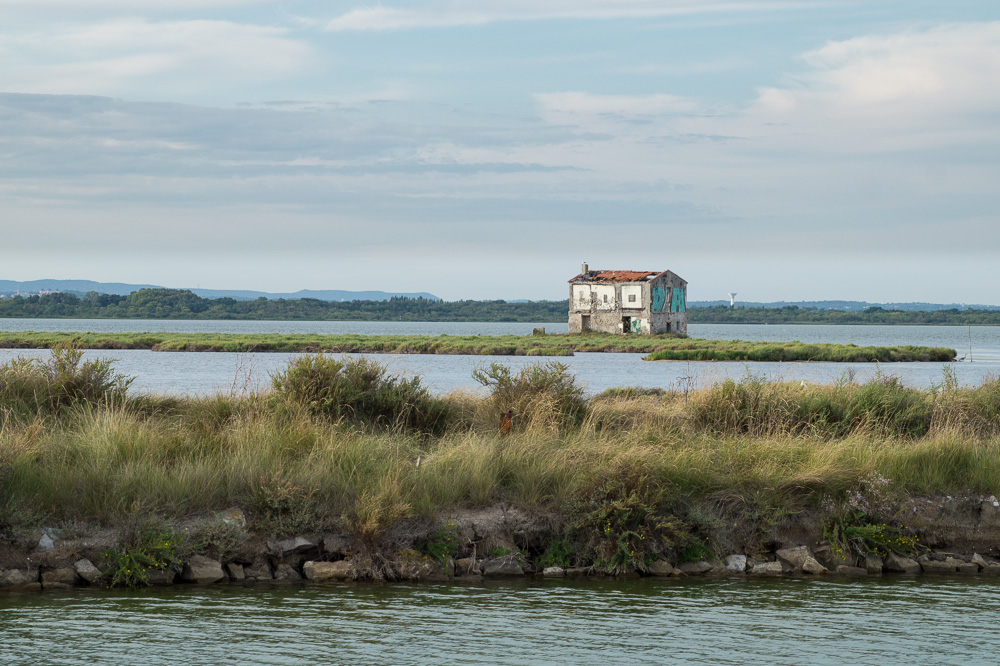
(698, 550)
(218, 539)
(558, 554)
(443, 544)
(496, 552)
(148, 548)
(282, 508)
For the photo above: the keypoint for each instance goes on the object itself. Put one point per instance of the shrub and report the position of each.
(360, 390)
(34, 386)
(623, 521)
(442, 544)
(542, 393)
(145, 548)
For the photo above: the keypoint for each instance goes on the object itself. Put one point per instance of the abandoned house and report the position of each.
(644, 302)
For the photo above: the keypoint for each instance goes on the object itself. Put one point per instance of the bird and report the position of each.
(506, 422)
(961, 359)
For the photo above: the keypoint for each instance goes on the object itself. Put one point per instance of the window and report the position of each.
(631, 298)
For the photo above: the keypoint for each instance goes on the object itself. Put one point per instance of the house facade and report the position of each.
(638, 302)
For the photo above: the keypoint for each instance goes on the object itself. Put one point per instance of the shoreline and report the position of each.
(962, 533)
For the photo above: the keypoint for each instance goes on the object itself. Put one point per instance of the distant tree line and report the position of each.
(792, 314)
(184, 304)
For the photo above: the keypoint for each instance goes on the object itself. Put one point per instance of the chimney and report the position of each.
(584, 268)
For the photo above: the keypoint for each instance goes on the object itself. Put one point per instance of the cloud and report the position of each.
(479, 12)
(939, 82)
(135, 54)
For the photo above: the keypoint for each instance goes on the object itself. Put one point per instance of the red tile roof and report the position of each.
(614, 276)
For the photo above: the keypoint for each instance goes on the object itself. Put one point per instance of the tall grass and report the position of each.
(751, 447)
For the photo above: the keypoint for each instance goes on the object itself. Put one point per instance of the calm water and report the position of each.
(180, 372)
(922, 621)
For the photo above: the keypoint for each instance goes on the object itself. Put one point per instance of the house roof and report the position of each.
(615, 276)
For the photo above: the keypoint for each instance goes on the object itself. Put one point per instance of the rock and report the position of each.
(45, 543)
(795, 557)
(873, 564)
(286, 572)
(767, 569)
(508, 565)
(235, 571)
(661, 568)
(18, 577)
(695, 568)
(992, 568)
(831, 559)
(577, 571)
(934, 566)
(59, 578)
(811, 566)
(258, 571)
(86, 570)
(899, 564)
(736, 564)
(334, 544)
(467, 566)
(202, 570)
(553, 572)
(233, 516)
(294, 546)
(324, 571)
(161, 576)
(846, 570)
(967, 568)
(979, 561)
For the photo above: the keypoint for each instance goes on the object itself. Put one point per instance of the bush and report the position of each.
(360, 390)
(539, 392)
(30, 387)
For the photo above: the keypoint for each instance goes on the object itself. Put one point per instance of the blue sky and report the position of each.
(781, 149)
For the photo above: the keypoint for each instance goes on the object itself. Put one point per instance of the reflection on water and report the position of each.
(922, 621)
(181, 372)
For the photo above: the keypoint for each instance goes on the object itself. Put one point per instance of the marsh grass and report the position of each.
(732, 460)
(660, 347)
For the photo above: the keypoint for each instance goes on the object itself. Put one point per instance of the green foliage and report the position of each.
(557, 554)
(148, 547)
(361, 390)
(624, 521)
(796, 315)
(698, 550)
(442, 544)
(538, 392)
(30, 387)
(850, 533)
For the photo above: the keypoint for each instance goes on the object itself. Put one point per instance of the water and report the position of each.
(202, 373)
(915, 621)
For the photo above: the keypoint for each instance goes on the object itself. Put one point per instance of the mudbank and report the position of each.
(946, 535)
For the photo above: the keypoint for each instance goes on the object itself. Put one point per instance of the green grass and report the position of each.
(660, 347)
(627, 473)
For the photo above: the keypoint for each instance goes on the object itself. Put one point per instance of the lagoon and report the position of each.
(204, 373)
(891, 620)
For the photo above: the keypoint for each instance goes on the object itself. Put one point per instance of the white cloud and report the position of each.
(909, 79)
(127, 54)
(478, 12)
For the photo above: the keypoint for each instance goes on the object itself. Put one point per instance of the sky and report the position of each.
(780, 149)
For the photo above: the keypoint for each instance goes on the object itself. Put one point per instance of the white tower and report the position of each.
(732, 299)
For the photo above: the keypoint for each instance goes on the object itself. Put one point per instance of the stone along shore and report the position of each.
(958, 536)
